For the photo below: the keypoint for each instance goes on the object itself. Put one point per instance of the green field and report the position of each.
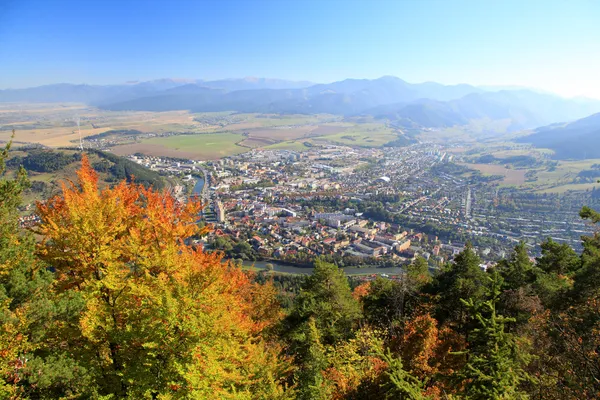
(203, 146)
(289, 145)
(363, 135)
(576, 187)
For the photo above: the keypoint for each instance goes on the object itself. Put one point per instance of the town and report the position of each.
(358, 207)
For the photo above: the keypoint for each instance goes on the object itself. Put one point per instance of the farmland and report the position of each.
(363, 135)
(55, 125)
(208, 146)
(511, 176)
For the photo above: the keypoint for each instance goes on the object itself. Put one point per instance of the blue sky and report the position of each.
(552, 45)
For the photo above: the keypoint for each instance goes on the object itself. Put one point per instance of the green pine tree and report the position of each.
(494, 369)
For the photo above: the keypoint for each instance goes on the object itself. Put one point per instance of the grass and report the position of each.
(289, 145)
(362, 135)
(577, 187)
(202, 146)
(511, 176)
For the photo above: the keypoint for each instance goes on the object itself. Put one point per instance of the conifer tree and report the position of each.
(462, 279)
(495, 366)
(23, 285)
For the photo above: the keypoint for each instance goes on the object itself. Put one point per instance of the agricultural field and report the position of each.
(55, 125)
(563, 176)
(361, 135)
(514, 177)
(290, 145)
(207, 146)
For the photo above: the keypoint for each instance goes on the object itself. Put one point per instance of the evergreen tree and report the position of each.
(495, 360)
(418, 272)
(23, 285)
(326, 297)
(462, 279)
(517, 271)
(401, 384)
(309, 377)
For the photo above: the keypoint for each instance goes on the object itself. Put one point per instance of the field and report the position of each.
(570, 187)
(511, 176)
(363, 135)
(55, 125)
(291, 145)
(209, 146)
(282, 133)
(561, 178)
(184, 134)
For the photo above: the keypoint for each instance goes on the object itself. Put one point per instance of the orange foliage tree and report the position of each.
(152, 316)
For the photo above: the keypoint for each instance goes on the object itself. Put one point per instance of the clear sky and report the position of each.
(548, 44)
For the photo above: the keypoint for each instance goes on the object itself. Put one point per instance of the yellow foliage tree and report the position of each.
(155, 318)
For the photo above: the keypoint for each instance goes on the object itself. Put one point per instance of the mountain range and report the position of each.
(576, 140)
(426, 104)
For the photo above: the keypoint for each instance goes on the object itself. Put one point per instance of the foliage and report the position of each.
(22, 284)
(495, 367)
(146, 315)
(40, 160)
(112, 303)
(326, 297)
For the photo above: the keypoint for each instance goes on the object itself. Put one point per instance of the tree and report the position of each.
(384, 305)
(326, 297)
(518, 299)
(148, 315)
(463, 279)
(309, 377)
(401, 385)
(418, 271)
(23, 285)
(517, 271)
(494, 369)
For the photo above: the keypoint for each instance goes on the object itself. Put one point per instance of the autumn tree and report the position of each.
(144, 315)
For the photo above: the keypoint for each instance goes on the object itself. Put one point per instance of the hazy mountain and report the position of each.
(249, 83)
(109, 94)
(576, 140)
(426, 104)
(522, 109)
(437, 91)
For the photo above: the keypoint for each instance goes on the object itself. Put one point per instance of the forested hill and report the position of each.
(48, 167)
(112, 303)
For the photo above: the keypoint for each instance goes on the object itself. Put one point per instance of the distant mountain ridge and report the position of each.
(428, 104)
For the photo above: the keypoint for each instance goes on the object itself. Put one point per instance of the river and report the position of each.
(290, 269)
(198, 187)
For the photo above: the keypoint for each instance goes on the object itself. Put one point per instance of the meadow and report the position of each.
(208, 146)
(361, 135)
(511, 176)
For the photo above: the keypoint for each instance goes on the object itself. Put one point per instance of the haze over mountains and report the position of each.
(576, 140)
(428, 104)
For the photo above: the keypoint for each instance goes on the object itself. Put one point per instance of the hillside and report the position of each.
(48, 168)
(576, 140)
